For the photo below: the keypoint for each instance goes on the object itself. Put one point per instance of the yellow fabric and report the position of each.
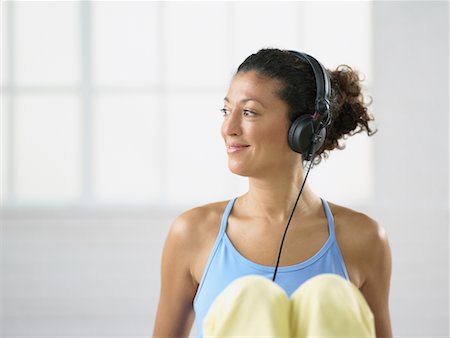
(324, 306)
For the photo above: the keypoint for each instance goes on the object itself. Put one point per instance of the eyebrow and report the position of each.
(246, 100)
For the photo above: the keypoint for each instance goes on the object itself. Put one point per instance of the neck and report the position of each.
(273, 198)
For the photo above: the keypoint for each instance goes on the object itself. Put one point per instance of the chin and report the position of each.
(238, 170)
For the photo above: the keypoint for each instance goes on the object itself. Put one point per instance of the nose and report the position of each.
(232, 124)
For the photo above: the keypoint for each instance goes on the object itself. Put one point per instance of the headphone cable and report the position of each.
(292, 212)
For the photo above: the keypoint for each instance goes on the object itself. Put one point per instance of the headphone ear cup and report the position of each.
(301, 135)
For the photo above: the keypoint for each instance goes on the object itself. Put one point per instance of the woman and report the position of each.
(209, 247)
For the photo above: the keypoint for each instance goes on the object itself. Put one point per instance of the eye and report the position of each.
(225, 111)
(248, 112)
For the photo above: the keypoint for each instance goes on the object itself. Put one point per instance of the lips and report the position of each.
(235, 147)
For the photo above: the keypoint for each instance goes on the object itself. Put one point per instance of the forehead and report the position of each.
(251, 84)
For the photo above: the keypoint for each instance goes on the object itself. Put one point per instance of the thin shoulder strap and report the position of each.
(226, 214)
(329, 215)
(333, 238)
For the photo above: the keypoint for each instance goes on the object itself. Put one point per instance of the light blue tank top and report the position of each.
(226, 264)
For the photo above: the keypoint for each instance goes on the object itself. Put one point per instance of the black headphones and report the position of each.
(307, 133)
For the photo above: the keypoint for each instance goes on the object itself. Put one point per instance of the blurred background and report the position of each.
(110, 128)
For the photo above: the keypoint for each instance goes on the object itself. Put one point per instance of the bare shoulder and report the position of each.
(184, 244)
(367, 256)
(195, 220)
(194, 233)
(356, 226)
(197, 225)
(362, 240)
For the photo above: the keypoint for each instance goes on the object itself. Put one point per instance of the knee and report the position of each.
(328, 304)
(257, 288)
(327, 279)
(244, 304)
(325, 285)
(330, 291)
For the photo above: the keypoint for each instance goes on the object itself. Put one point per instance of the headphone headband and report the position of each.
(323, 85)
(308, 132)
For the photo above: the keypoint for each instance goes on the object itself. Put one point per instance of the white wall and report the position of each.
(411, 98)
(86, 263)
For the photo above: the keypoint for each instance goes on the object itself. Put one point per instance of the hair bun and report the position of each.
(348, 110)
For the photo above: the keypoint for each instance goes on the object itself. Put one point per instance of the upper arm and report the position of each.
(377, 272)
(175, 313)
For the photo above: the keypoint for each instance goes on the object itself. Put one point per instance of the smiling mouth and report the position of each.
(234, 149)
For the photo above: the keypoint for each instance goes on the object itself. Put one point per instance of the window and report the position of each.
(116, 103)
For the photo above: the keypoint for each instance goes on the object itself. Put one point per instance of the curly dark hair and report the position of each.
(349, 113)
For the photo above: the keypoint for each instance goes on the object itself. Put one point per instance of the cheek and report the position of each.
(271, 144)
(222, 130)
(277, 136)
